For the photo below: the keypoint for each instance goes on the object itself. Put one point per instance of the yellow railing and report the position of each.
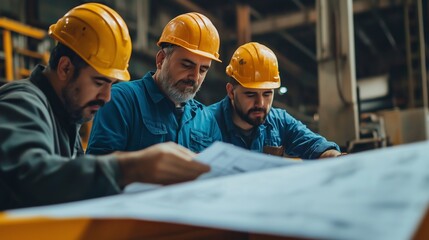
(8, 27)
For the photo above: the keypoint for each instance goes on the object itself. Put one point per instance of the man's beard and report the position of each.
(172, 90)
(246, 116)
(75, 112)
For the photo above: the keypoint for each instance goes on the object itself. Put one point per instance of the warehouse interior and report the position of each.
(354, 71)
(357, 73)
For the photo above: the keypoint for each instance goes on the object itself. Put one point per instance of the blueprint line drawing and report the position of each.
(380, 194)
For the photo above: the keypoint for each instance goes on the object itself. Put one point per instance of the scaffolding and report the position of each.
(22, 48)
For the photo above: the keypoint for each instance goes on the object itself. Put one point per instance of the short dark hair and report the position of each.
(61, 50)
(234, 82)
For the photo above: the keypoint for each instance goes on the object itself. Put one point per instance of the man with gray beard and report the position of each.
(160, 106)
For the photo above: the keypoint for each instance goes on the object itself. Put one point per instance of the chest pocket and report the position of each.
(272, 139)
(156, 133)
(199, 141)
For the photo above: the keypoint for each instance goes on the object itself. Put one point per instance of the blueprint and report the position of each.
(380, 194)
(227, 159)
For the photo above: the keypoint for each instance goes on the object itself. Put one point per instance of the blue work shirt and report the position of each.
(139, 115)
(279, 130)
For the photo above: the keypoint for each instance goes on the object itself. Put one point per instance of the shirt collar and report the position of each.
(227, 110)
(154, 91)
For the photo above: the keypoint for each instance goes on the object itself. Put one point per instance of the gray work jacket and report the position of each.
(41, 156)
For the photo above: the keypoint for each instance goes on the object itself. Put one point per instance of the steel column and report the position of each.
(338, 109)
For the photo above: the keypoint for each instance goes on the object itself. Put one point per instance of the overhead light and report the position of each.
(282, 90)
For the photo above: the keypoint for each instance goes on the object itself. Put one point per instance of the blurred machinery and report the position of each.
(373, 95)
(361, 114)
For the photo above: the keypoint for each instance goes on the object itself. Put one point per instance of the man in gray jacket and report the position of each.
(41, 156)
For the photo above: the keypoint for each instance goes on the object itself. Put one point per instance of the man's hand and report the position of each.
(164, 163)
(330, 153)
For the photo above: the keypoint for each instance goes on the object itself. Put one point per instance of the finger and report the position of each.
(186, 152)
(173, 175)
(191, 166)
(180, 171)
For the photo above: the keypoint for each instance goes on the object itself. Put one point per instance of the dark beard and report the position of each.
(74, 111)
(254, 122)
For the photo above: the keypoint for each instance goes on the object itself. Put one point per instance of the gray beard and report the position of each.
(175, 94)
(172, 91)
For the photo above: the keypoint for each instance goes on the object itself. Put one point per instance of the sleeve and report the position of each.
(217, 134)
(110, 128)
(301, 141)
(31, 173)
(214, 110)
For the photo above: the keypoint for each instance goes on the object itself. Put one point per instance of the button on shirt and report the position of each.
(140, 115)
(279, 129)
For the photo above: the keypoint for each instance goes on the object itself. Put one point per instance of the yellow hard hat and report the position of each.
(99, 36)
(254, 65)
(194, 32)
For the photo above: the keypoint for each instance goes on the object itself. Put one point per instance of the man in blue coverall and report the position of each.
(160, 106)
(245, 115)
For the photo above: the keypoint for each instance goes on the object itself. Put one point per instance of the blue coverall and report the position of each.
(140, 115)
(279, 130)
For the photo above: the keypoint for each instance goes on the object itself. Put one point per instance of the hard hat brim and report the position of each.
(202, 53)
(260, 85)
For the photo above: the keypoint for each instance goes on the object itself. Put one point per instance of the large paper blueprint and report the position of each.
(380, 194)
(227, 159)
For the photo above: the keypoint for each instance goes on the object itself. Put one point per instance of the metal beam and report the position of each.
(243, 23)
(143, 13)
(422, 55)
(227, 34)
(299, 4)
(384, 28)
(22, 29)
(195, 8)
(337, 74)
(293, 68)
(363, 36)
(298, 45)
(281, 22)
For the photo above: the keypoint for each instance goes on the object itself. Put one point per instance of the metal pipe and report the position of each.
(299, 4)
(422, 54)
(8, 57)
(411, 102)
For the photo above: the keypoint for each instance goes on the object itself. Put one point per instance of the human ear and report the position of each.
(64, 68)
(230, 90)
(160, 56)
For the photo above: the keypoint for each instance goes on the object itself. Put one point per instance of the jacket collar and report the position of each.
(42, 82)
(155, 93)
